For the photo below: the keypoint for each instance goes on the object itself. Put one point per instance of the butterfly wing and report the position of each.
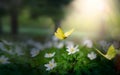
(68, 33)
(100, 52)
(59, 34)
(111, 53)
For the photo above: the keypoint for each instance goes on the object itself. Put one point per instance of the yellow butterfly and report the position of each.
(111, 53)
(61, 35)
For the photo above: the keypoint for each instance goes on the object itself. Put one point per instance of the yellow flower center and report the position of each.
(72, 50)
(51, 65)
(49, 54)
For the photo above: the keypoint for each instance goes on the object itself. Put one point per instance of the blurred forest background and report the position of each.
(42, 17)
(34, 17)
(27, 33)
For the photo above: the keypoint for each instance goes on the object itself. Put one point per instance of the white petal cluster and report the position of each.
(49, 55)
(34, 52)
(68, 43)
(87, 43)
(18, 51)
(72, 49)
(7, 43)
(58, 44)
(50, 65)
(2, 47)
(4, 60)
(92, 55)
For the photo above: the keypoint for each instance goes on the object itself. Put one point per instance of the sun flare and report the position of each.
(91, 18)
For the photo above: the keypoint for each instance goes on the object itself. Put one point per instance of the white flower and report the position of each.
(68, 43)
(34, 52)
(49, 55)
(50, 65)
(59, 44)
(7, 43)
(10, 51)
(18, 51)
(87, 43)
(4, 60)
(2, 47)
(92, 55)
(71, 49)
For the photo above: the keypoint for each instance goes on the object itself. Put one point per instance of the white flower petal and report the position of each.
(49, 55)
(34, 52)
(92, 55)
(4, 60)
(87, 43)
(50, 65)
(71, 49)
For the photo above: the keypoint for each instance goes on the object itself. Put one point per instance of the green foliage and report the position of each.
(77, 63)
(80, 64)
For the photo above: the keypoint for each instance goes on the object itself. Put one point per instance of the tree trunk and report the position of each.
(1, 27)
(14, 22)
(15, 5)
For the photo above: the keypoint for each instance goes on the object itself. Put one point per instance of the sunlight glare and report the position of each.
(90, 18)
